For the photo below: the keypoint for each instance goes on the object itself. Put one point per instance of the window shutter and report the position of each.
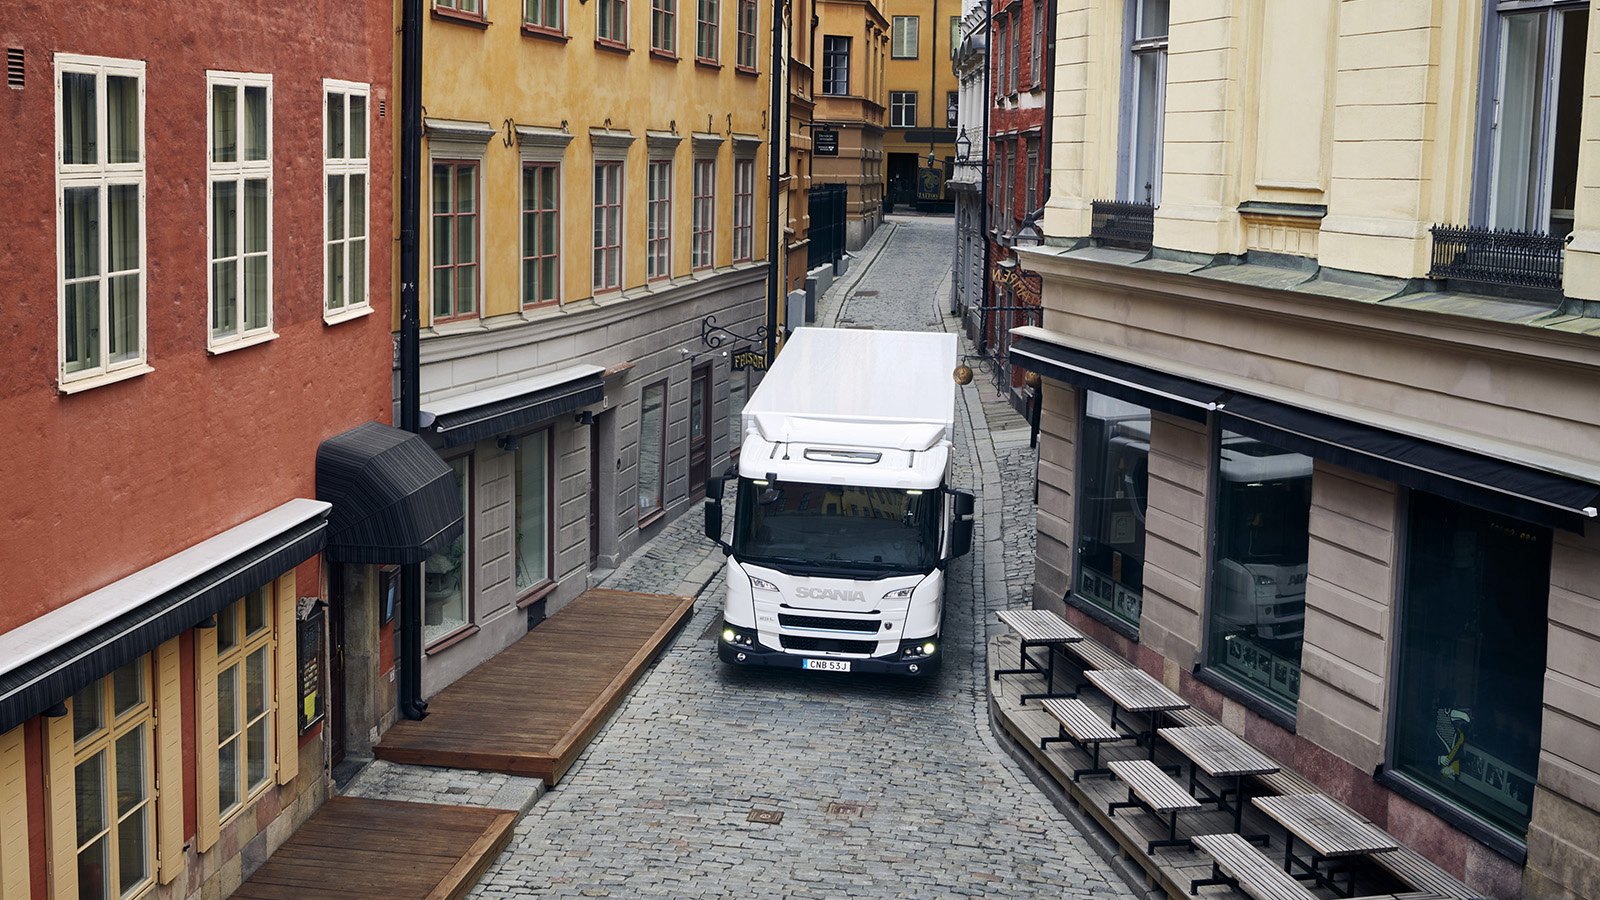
(209, 814)
(288, 688)
(169, 761)
(61, 808)
(13, 815)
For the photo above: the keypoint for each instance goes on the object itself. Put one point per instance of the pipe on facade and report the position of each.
(408, 686)
(776, 278)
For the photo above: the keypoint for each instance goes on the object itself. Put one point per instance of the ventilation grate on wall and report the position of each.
(14, 68)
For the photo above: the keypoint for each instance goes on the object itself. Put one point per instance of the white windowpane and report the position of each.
(79, 119)
(533, 510)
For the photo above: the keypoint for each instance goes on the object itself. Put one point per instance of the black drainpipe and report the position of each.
(408, 688)
(775, 276)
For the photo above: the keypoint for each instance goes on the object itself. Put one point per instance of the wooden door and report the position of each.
(699, 431)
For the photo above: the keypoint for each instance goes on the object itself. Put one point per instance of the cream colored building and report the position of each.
(594, 258)
(1329, 469)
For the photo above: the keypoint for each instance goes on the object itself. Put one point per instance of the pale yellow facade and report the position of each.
(852, 101)
(919, 66)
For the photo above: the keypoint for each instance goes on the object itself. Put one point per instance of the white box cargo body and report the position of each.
(842, 520)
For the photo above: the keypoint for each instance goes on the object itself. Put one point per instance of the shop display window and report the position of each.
(1472, 638)
(445, 583)
(1113, 480)
(1258, 576)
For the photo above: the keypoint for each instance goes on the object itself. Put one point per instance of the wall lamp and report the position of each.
(507, 442)
(584, 417)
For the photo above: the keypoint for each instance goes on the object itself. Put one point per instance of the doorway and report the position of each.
(699, 431)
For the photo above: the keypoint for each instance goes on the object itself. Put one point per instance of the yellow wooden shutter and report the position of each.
(13, 815)
(61, 807)
(208, 821)
(288, 687)
(169, 761)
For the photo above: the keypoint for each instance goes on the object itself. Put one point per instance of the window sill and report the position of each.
(455, 326)
(548, 34)
(1103, 616)
(746, 70)
(243, 343)
(91, 382)
(612, 46)
(470, 20)
(450, 640)
(703, 63)
(647, 520)
(663, 55)
(347, 314)
(1242, 695)
(542, 590)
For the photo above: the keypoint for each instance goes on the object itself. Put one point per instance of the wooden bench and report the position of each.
(1084, 728)
(1150, 789)
(1421, 873)
(1235, 861)
(1038, 628)
(1094, 655)
(1335, 835)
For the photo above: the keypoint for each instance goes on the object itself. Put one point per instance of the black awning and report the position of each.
(94, 647)
(505, 409)
(1147, 387)
(394, 500)
(1497, 485)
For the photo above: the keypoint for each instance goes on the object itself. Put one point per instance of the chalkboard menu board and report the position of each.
(310, 659)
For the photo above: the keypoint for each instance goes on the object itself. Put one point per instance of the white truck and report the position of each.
(842, 521)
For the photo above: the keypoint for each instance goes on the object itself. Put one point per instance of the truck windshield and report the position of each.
(790, 524)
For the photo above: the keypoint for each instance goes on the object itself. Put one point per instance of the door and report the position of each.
(334, 716)
(594, 496)
(699, 431)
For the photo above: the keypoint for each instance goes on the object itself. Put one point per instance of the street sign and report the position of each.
(825, 142)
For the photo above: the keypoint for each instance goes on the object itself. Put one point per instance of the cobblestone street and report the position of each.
(880, 787)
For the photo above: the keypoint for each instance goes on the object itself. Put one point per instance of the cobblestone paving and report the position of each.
(881, 787)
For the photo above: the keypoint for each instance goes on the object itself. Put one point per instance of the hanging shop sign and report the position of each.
(930, 183)
(825, 142)
(1023, 283)
(749, 359)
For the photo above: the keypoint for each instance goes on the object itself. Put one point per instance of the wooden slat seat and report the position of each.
(1151, 789)
(1038, 628)
(1284, 781)
(1421, 873)
(1189, 716)
(1236, 861)
(1083, 727)
(1095, 655)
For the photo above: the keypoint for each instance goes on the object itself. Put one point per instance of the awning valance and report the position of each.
(394, 500)
(49, 659)
(505, 408)
(1147, 387)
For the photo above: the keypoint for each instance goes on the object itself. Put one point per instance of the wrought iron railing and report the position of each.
(994, 341)
(1490, 256)
(1117, 223)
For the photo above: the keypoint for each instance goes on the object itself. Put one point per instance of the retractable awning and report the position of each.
(47, 660)
(504, 408)
(1145, 386)
(394, 500)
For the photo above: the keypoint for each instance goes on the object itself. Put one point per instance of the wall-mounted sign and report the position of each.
(825, 142)
(749, 359)
(310, 660)
(1024, 284)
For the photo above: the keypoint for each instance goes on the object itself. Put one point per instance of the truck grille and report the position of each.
(820, 623)
(829, 645)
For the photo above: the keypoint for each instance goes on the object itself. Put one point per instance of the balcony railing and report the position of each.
(1115, 223)
(1518, 259)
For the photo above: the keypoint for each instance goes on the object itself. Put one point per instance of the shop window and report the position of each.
(445, 575)
(532, 514)
(652, 449)
(1531, 126)
(1258, 576)
(738, 393)
(1113, 481)
(1471, 659)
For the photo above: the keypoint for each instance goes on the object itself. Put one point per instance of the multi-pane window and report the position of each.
(455, 239)
(113, 784)
(1040, 15)
(239, 170)
(664, 26)
(446, 581)
(101, 222)
(469, 7)
(532, 514)
(1001, 69)
(707, 40)
(903, 109)
(745, 57)
(703, 240)
(658, 215)
(652, 449)
(613, 21)
(1014, 83)
(835, 64)
(543, 14)
(744, 205)
(607, 226)
(244, 691)
(1030, 188)
(541, 233)
(955, 35)
(903, 37)
(1538, 104)
(346, 166)
(1148, 48)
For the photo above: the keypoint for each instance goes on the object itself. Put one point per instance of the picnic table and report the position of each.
(1221, 754)
(1038, 628)
(1135, 691)
(1332, 832)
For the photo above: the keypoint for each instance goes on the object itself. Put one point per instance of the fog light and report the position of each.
(912, 668)
(739, 657)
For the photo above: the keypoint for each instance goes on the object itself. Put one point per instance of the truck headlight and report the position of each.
(1265, 580)
(900, 594)
(762, 584)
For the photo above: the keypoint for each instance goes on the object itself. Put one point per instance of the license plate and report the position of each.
(826, 665)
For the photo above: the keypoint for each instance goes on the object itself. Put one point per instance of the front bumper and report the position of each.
(758, 655)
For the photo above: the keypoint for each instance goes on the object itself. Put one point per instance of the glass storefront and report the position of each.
(1258, 576)
(1471, 649)
(1113, 477)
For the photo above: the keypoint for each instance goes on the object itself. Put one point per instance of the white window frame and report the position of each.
(1151, 51)
(904, 34)
(237, 656)
(902, 109)
(344, 168)
(100, 175)
(107, 738)
(239, 171)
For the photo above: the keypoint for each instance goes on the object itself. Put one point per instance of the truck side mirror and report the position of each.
(961, 507)
(961, 504)
(714, 488)
(713, 518)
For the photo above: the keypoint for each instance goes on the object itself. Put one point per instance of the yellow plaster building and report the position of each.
(851, 45)
(922, 102)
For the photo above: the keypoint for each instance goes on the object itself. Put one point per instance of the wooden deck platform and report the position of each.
(353, 848)
(533, 708)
